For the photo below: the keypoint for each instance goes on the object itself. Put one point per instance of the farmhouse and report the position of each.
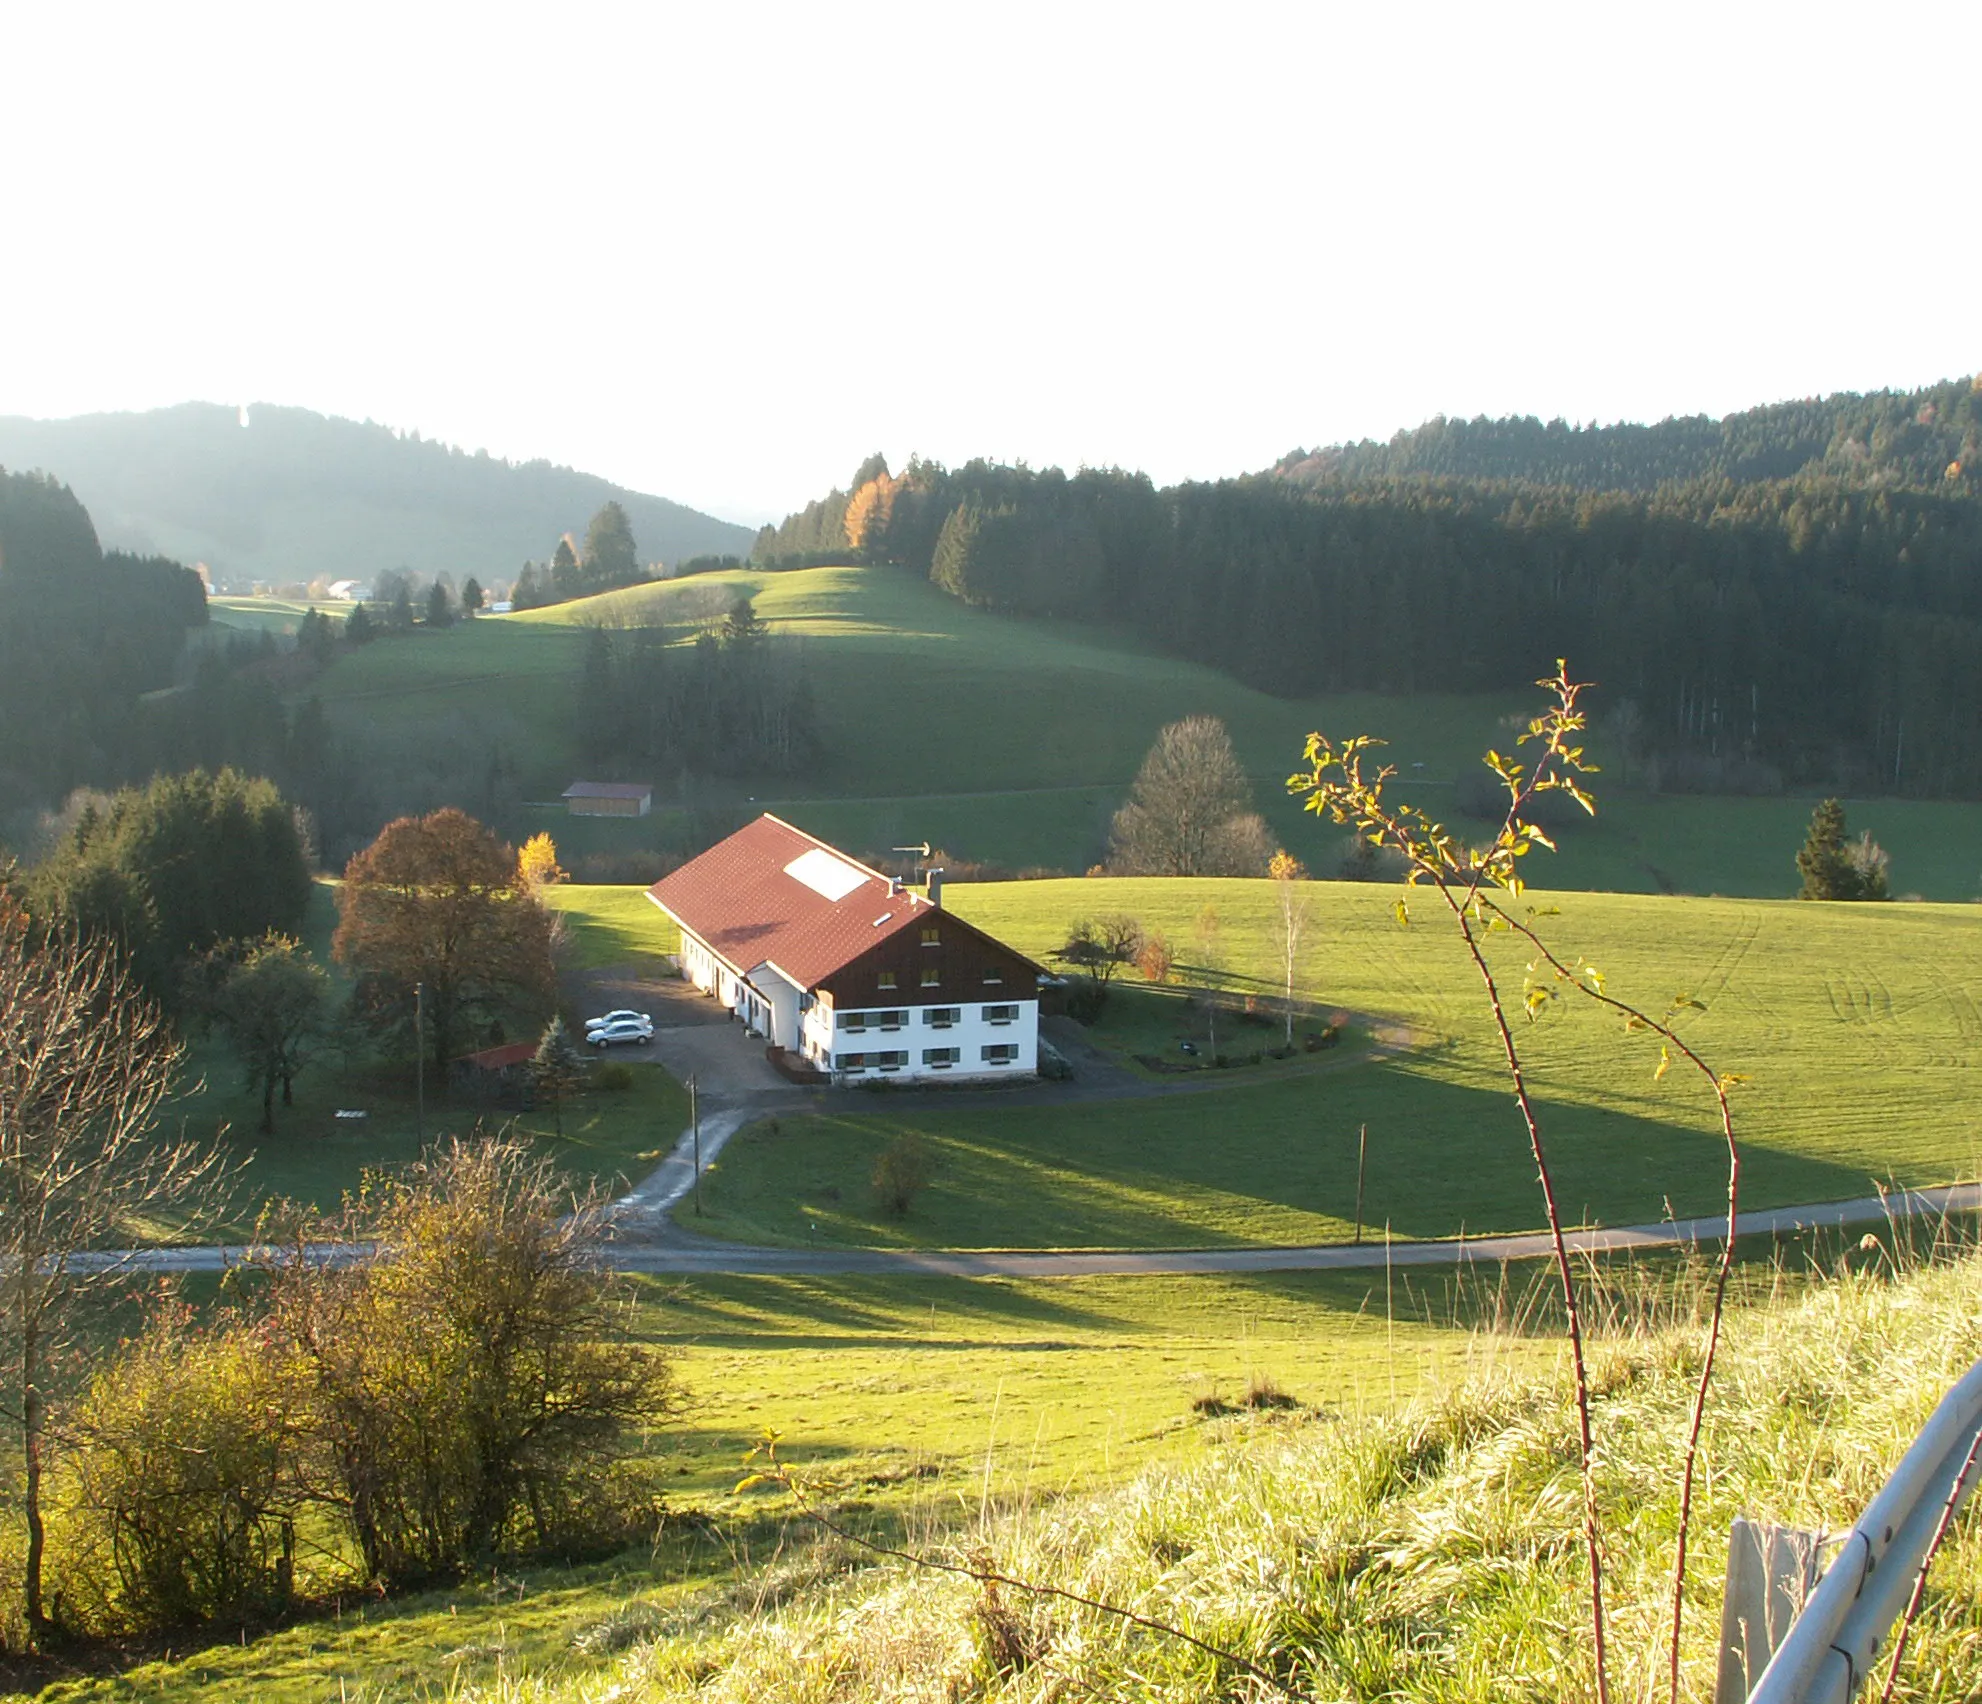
(847, 968)
(608, 798)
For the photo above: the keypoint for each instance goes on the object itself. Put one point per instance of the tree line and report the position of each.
(1811, 631)
(734, 702)
(83, 634)
(1921, 437)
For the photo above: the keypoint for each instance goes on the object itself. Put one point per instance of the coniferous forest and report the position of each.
(1791, 596)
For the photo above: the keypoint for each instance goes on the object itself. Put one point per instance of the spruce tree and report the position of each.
(471, 597)
(565, 579)
(610, 556)
(557, 1069)
(1825, 865)
(440, 612)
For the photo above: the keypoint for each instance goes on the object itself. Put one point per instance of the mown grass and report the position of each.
(1860, 1028)
(918, 1399)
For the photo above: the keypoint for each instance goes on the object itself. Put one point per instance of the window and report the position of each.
(940, 1058)
(993, 977)
(942, 1017)
(932, 936)
(887, 979)
(890, 1061)
(932, 976)
(1001, 1053)
(852, 1022)
(891, 1020)
(1001, 1014)
(849, 1062)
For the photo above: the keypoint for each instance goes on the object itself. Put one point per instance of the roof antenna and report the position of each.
(922, 852)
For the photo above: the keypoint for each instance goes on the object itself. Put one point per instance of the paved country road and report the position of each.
(683, 1255)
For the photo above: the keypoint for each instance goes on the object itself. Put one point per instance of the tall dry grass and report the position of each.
(1432, 1553)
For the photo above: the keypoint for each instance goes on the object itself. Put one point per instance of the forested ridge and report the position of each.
(83, 633)
(1887, 437)
(295, 497)
(1820, 627)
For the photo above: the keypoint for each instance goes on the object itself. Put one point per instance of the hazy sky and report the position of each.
(721, 252)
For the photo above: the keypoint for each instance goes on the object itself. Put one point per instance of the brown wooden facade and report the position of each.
(966, 966)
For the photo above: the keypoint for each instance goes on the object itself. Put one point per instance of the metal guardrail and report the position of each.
(1830, 1649)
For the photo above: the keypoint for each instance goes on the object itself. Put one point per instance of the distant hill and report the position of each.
(1888, 437)
(297, 496)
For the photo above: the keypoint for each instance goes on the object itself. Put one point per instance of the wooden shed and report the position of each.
(608, 798)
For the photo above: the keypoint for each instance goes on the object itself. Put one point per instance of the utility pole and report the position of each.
(420, 1058)
(1362, 1159)
(695, 1131)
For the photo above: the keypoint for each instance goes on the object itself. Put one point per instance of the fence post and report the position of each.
(1770, 1573)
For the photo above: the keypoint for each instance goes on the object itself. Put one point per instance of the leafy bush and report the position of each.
(466, 1393)
(613, 1077)
(901, 1173)
(180, 1502)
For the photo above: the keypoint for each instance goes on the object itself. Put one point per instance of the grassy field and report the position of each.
(1859, 1026)
(916, 1402)
(1012, 741)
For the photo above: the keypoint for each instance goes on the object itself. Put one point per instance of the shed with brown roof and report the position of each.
(608, 798)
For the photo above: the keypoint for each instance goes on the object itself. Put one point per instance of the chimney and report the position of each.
(894, 886)
(936, 886)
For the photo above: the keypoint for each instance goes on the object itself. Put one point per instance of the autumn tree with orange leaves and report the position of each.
(437, 901)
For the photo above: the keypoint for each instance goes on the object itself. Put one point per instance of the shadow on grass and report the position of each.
(1265, 1164)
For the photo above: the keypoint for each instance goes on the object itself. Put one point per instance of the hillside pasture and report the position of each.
(1859, 1027)
(1012, 741)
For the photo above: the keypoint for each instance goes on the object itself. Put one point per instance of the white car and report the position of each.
(636, 1030)
(622, 1016)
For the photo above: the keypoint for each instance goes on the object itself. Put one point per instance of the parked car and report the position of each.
(636, 1030)
(622, 1016)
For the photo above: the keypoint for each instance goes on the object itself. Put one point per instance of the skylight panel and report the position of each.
(825, 875)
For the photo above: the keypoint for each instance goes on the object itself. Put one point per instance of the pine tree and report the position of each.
(440, 612)
(557, 1069)
(566, 581)
(471, 597)
(358, 626)
(610, 556)
(1825, 865)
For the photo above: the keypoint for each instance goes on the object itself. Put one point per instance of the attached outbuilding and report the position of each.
(608, 798)
(850, 970)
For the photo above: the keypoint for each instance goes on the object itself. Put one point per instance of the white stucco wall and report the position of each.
(831, 1036)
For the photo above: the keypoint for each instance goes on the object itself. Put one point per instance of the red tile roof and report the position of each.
(500, 1058)
(738, 897)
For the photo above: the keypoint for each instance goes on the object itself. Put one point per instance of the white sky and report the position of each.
(722, 251)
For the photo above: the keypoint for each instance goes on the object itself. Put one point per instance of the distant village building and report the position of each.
(608, 798)
(846, 968)
(349, 591)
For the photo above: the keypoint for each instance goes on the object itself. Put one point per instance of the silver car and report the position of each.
(636, 1030)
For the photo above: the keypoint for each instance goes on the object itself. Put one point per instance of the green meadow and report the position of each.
(913, 1404)
(1012, 741)
(1858, 1028)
